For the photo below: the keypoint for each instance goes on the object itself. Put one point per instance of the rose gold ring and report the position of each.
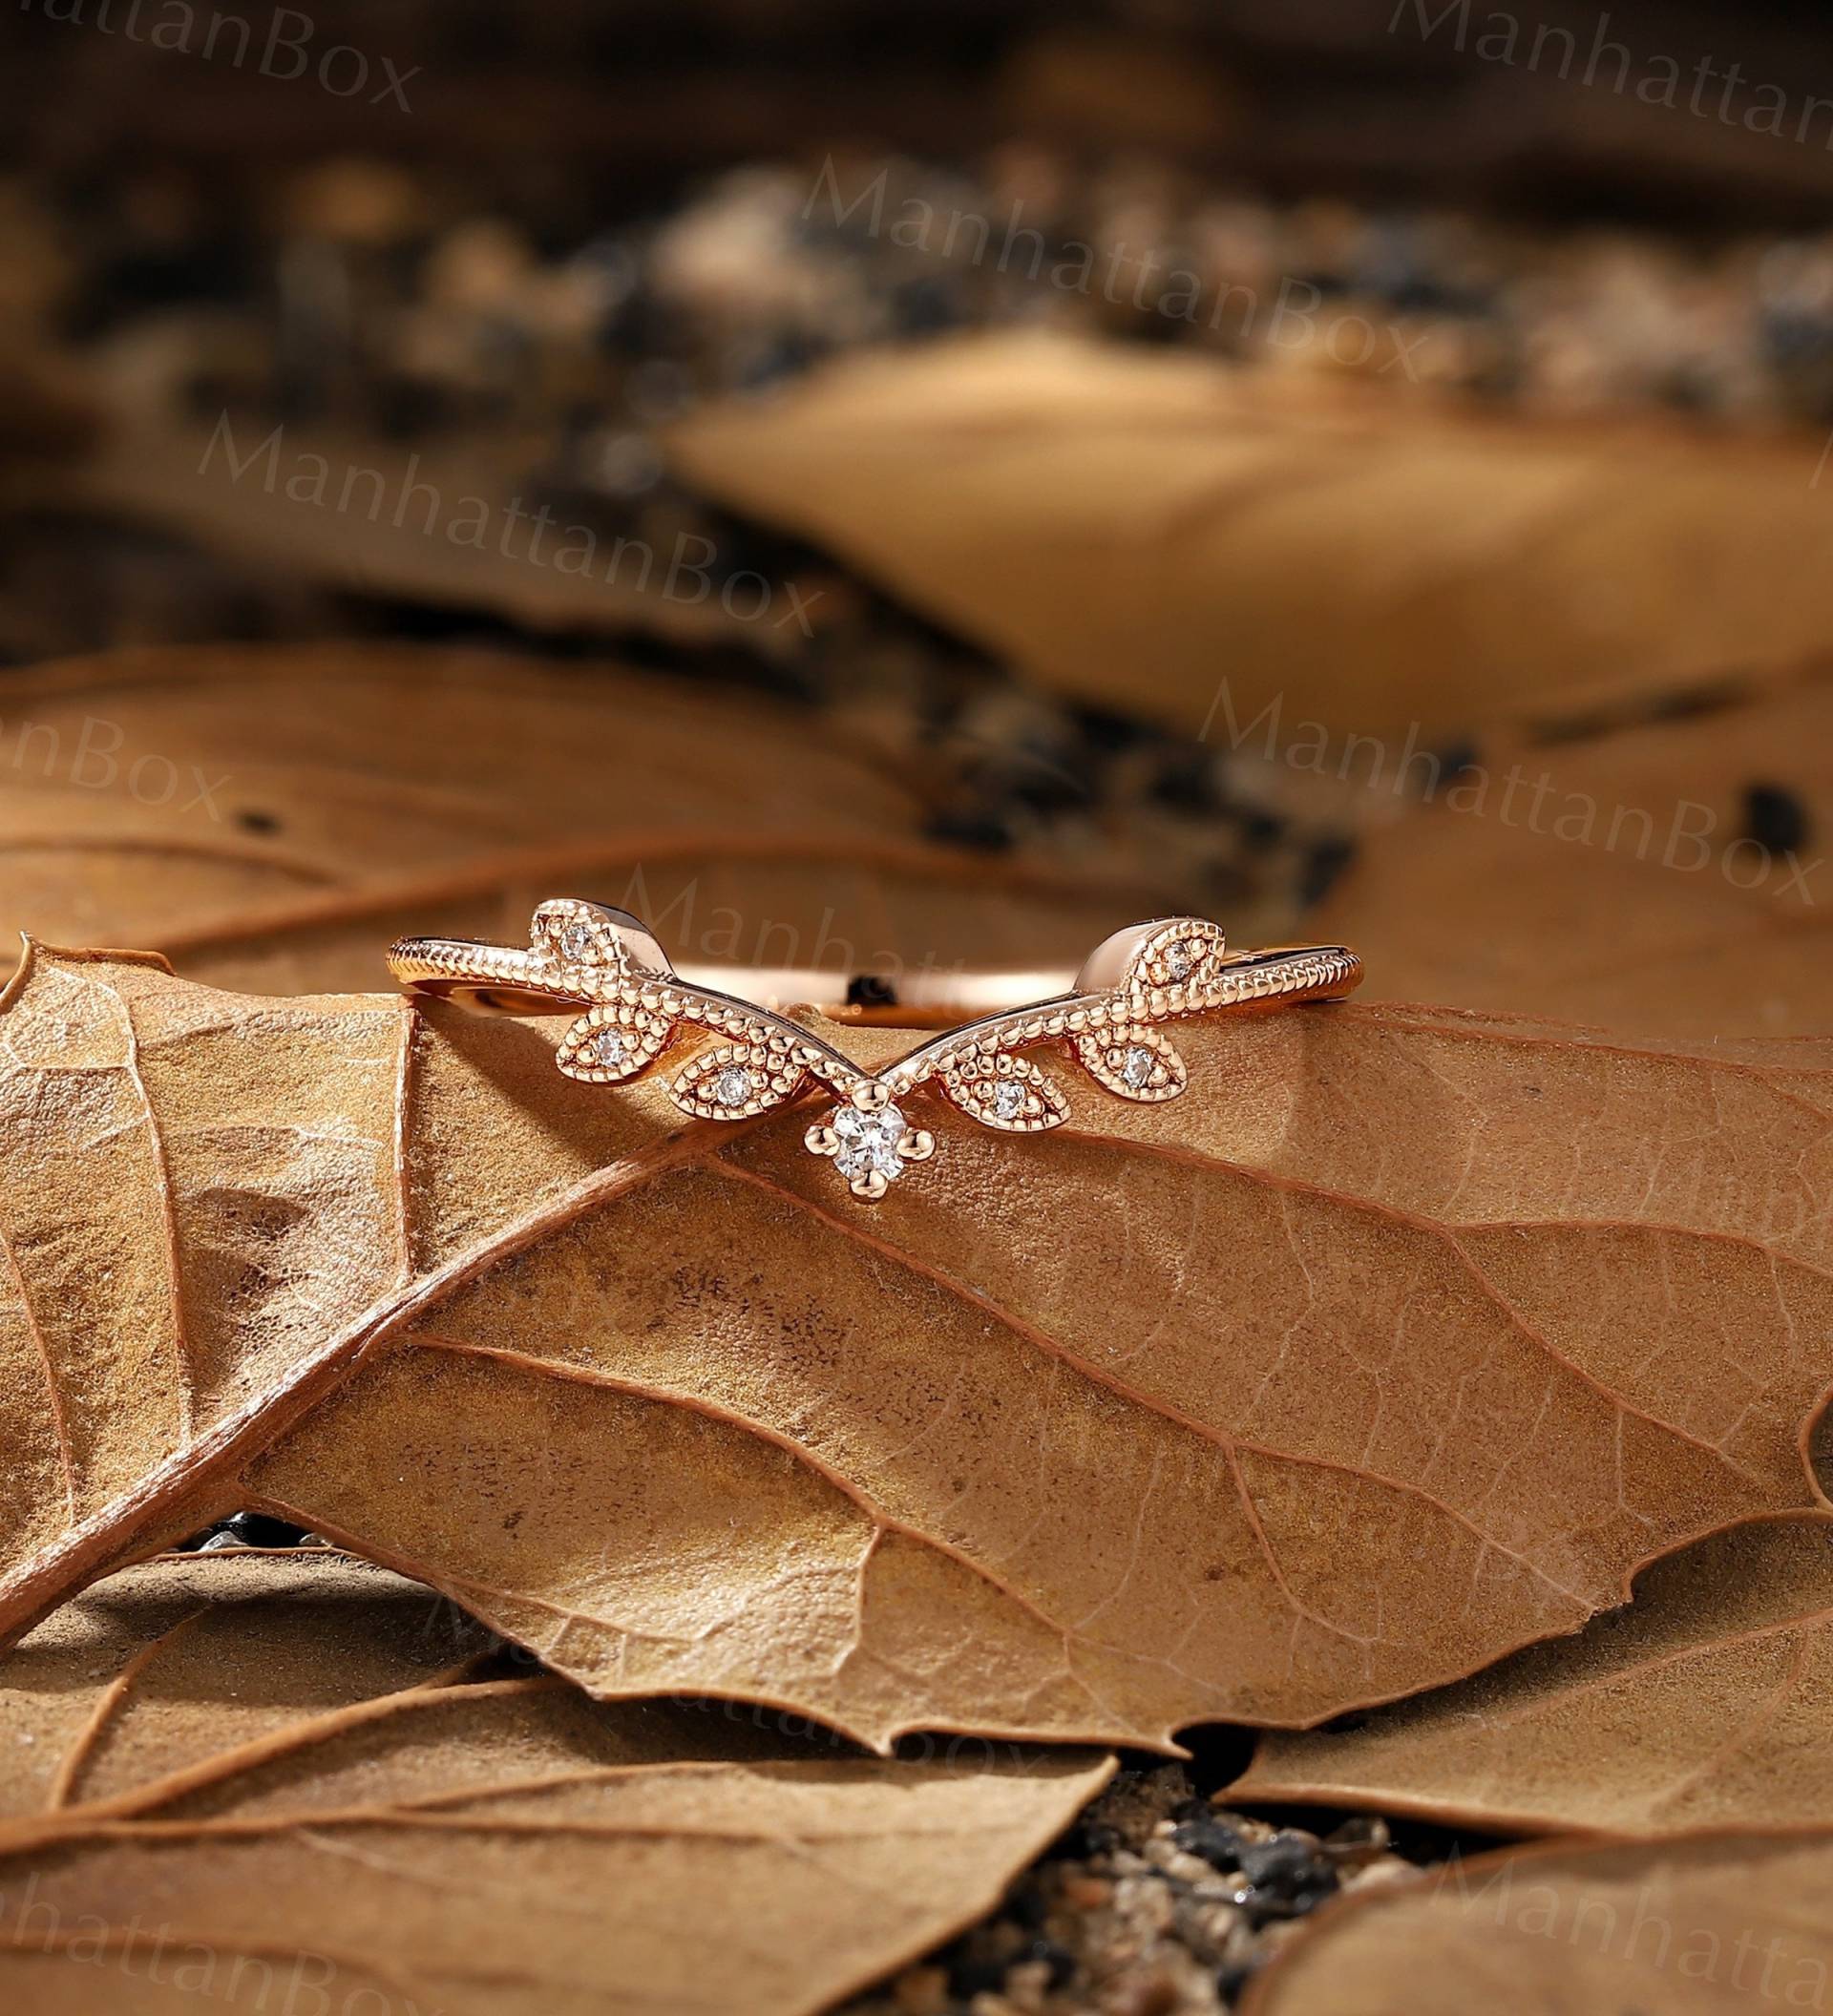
(637, 1004)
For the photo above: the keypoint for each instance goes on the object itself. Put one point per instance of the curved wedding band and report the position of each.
(631, 1004)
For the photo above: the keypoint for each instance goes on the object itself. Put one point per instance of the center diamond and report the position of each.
(869, 1143)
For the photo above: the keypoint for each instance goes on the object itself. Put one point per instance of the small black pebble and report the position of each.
(1286, 1877)
(1027, 1906)
(969, 1976)
(1231, 1980)
(1286, 1861)
(1324, 865)
(1185, 779)
(1109, 730)
(408, 409)
(1260, 831)
(1331, 286)
(255, 1529)
(1775, 818)
(924, 307)
(1061, 1962)
(970, 826)
(254, 821)
(1219, 1846)
(1085, 1839)
(1455, 758)
(1157, 326)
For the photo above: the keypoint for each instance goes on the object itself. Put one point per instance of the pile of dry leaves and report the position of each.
(730, 1590)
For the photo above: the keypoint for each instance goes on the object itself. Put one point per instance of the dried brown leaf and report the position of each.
(271, 818)
(1147, 528)
(1634, 892)
(267, 1781)
(1386, 1349)
(363, 516)
(1692, 1927)
(1708, 1703)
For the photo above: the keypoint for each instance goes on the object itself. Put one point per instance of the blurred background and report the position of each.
(1337, 467)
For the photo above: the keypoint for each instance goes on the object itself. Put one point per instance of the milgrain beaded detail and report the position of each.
(613, 1041)
(734, 1080)
(1006, 1093)
(635, 1008)
(1134, 1061)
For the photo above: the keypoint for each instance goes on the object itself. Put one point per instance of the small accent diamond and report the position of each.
(1179, 960)
(609, 1049)
(1136, 1066)
(576, 942)
(1008, 1099)
(869, 1143)
(732, 1087)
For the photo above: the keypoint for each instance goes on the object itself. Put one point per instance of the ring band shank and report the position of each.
(509, 980)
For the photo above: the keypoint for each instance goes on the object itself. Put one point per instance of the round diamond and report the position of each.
(1179, 960)
(1136, 1066)
(732, 1087)
(1008, 1099)
(869, 1143)
(576, 941)
(609, 1049)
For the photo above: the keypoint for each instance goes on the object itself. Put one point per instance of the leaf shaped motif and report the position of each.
(738, 1081)
(651, 1401)
(343, 1801)
(1135, 1063)
(576, 933)
(1180, 960)
(1006, 1092)
(612, 1042)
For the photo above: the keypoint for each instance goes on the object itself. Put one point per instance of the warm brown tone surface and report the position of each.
(232, 1782)
(1709, 1702)
(1731, 1922)
(197, 1191)
(271, 506)
(1374, 1357)
(356, 792)
(1632, 897)
(1106, 516)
